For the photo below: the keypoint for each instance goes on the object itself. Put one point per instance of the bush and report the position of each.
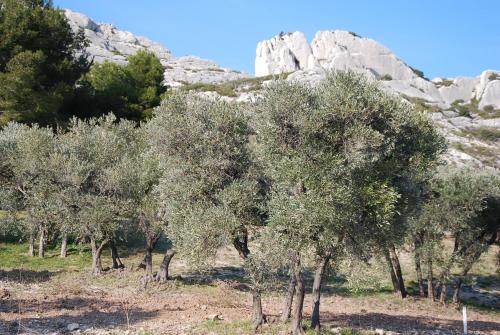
(386, 77)
(445, 83)
(494, 76)
(419, 73)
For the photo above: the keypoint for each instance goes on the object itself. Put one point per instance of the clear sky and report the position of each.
(443, 38)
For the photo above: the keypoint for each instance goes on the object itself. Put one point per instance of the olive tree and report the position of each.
(209, 188)
(29, 185)
(333, 154)
(94, 150)
(465, 204)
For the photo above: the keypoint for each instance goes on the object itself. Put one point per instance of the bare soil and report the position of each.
(48, 302)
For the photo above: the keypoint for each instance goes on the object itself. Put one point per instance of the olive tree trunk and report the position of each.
(162, 274)
(31, 246)
(258, 315)
(96, 256)
(240, 242)
(456, 291)
(41, 244)
(443, 294)
(115, 257)
(64, 246)
(396, 266)
(418, 270)
(430, 286)
(287, 305)
(151, 241)
(296, 326)
(316, 291)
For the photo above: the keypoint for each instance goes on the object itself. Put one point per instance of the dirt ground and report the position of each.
(45, 302)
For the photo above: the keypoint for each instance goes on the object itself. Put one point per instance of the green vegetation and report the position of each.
(487, 134)
(444, 83)
(494, 76)
(307, 137)
(464, 109)
(489, 112)
(130, 91)
(232, 88)
(45, 75)
(304, 184)
(41, 59)
(419, 73)
(422, 105)
(465, 204)
(386, 77)
(13, 256)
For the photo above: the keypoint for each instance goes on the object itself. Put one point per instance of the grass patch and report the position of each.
(422, 105)
(233, 87)
(486, 134)
(444, 83)
(14, 256)
(221, 89)
(486, 155)
(489, 112)
(245, 327)
(464, 109)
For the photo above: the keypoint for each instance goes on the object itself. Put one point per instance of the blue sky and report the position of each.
(440, 37)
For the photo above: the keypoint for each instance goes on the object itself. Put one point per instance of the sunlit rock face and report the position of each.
(342, 50)
(108, 43)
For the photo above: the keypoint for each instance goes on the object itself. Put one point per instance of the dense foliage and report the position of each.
(305, 178)
(129, 91)
(46, 75)
(41, 59)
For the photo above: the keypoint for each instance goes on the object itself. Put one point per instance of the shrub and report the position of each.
(494, 76)
(445, 83)
(419, 73)
(386, 77)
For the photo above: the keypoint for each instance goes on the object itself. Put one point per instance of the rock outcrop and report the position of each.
(108, 43)
(342, 50)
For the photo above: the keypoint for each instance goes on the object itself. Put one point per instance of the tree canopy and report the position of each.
(41, 59)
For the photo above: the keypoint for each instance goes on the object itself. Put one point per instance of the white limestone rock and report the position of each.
(491, 95)
(283, 53)
(342, 50)
(108, 43)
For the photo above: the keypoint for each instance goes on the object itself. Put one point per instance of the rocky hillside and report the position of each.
(108, 43)
(466, 109)
(340, 50)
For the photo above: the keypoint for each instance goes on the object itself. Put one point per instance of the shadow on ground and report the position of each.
(25, 276)
(403, 323)
(90, 313)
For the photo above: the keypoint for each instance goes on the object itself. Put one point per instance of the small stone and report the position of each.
(214, 317)
(73, 326)
(336, 330)
(203, 307)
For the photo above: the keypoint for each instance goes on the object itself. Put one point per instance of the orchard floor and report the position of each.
(48, 295)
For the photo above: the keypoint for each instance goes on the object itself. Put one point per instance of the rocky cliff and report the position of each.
(341, 50)
(108, 43)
